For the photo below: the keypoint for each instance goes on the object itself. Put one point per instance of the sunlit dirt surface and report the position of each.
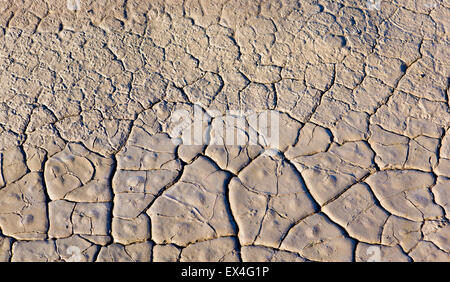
(112, 148)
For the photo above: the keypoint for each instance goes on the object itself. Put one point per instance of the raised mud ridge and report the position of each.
(92, 168)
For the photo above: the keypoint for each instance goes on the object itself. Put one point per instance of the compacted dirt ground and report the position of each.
(228, 130)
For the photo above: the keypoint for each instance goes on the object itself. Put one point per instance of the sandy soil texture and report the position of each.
(224, 130)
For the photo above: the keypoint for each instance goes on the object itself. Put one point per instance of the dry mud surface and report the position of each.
(90, 103)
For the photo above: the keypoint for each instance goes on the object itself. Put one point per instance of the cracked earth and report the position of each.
(90, 172)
